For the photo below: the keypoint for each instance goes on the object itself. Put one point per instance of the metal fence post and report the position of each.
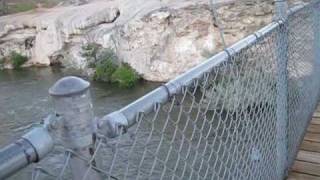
(282, 88)
(74, 129)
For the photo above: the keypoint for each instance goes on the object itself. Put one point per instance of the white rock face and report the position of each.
(21, 40)
(159, 39)
(168, 41)
(51, 30)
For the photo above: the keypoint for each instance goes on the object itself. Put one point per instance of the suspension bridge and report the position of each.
(242, 114)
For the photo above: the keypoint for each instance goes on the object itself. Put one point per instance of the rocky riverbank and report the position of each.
(159, 39)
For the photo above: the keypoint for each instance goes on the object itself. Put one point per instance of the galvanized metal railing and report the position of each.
(240, 115)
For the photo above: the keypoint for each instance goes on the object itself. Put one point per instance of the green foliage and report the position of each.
(104, 71)
(49, 3)
(17, 59)
(107, 55)
(125, 76)
(16, 6)
(106, 68)
(95, 54)
(90, 52)
(21, 7)
(103, 62)
(2, 61)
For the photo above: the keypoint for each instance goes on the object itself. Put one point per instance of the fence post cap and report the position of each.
(68, 86)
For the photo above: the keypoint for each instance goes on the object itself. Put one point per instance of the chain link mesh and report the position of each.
(223, 126)
(303, 74)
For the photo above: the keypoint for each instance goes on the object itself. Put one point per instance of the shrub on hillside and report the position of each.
(90, 53)
(125, 76)
(104, 70)
(95, 54)
(17, 59)
(106, 65)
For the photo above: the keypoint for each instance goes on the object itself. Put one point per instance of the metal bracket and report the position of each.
(113, 125)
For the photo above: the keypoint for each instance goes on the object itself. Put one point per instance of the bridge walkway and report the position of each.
(307, 163)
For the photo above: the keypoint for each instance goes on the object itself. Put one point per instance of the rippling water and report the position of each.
(24, 100)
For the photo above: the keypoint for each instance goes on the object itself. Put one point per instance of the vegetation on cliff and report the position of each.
(104, 71)
(17, 6)
(125, 76)
(2, 61)
(17, 59)
(107, 67)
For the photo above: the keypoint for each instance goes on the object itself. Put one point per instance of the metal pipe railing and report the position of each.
(29, 149)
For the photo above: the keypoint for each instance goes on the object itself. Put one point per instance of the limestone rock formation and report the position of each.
(160, 39)
(167, 41)
(50, 30)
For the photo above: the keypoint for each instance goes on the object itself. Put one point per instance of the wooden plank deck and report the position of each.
(307, 163)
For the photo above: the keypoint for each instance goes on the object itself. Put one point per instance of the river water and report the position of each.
(24, 100)
(173, 134)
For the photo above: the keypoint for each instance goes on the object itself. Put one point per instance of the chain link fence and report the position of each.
(303, 69)
(219, 120)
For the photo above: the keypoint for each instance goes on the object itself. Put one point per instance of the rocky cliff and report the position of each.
(160, 39)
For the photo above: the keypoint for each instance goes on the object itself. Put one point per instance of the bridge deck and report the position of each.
(307, 164)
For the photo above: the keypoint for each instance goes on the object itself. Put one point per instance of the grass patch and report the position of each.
(17, 60)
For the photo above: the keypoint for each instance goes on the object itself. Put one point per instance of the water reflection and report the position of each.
(24, 99)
